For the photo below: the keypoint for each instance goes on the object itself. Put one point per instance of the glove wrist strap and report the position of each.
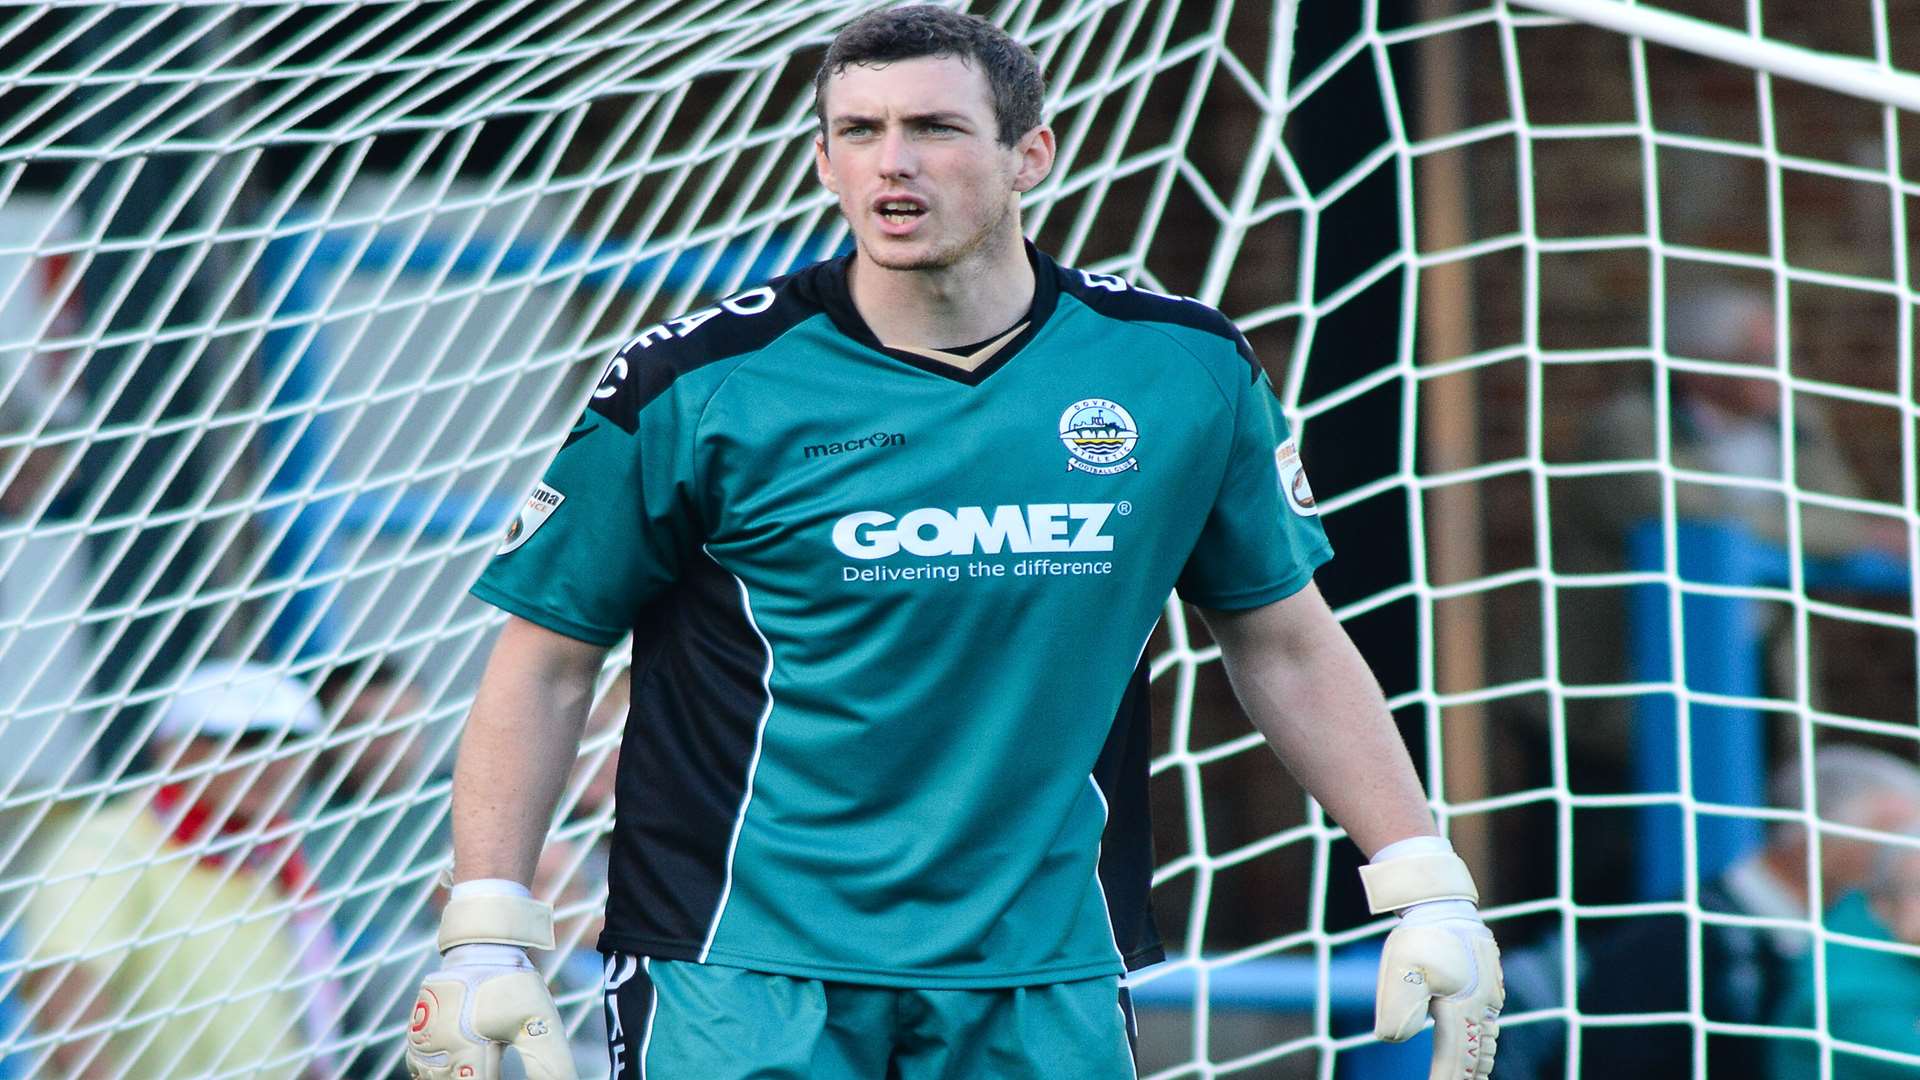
(1415, 879)
(496, 920)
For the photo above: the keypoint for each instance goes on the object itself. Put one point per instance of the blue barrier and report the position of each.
(1269, 984)
(1291, 984)
(1724, 654)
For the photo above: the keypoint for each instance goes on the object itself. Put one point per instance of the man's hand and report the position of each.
(488, 996)
(1440, 958)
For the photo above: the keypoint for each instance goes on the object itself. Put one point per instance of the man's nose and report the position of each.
(896, 154)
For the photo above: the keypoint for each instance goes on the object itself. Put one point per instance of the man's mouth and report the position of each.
(900, 211)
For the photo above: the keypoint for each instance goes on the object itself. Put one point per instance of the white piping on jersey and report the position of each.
(653, 1010)
(753, 766)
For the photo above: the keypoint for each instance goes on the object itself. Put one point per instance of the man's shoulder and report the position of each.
(663, 354)
(1114, 297)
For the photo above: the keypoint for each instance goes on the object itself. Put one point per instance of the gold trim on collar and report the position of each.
(966, 363)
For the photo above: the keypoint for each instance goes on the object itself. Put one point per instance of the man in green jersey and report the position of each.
(890, 536)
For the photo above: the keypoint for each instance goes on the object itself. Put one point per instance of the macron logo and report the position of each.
(971, 530)
(878, 438)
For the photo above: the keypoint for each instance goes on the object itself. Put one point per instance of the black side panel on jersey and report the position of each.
(654, 358)
(1114, 298)
(1126, 847)
(698, 696)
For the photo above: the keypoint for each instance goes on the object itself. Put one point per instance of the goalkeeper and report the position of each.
(882, 803)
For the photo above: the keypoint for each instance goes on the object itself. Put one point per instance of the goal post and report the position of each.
(297, 300)
(1873, 78)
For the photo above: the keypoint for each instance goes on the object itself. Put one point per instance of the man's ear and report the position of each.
(821, 167)
(1036, 158)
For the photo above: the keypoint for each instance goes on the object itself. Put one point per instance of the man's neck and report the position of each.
(933, 309)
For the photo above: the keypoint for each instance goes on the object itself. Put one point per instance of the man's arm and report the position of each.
(1309, 691)
(519, 746)
(1311, 694)
(515, 756)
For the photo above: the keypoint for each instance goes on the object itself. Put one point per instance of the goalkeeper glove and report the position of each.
(1440, 958)
(487, 995)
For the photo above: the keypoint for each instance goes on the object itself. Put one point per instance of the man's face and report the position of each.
(913, 152)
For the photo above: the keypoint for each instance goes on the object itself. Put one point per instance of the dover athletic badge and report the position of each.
(1100, 435)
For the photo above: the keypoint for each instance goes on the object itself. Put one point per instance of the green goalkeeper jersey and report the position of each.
(889, 716)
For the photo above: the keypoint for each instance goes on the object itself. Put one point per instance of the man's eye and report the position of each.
(855, 130)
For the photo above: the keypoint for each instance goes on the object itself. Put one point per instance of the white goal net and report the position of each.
(1595, 320)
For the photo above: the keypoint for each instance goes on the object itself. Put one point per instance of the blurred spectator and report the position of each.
(170, 922)
(1870, 994)
(1718, 425)
(1723, 425)
(377, 703)
(44, 733)
(381, 837)
(379, 842)
(43, 736)
(1642, 965)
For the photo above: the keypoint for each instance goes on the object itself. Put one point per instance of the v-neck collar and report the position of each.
(837, 299)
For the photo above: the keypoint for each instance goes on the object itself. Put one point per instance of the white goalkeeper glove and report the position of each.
(1440, 958)
(487, 995)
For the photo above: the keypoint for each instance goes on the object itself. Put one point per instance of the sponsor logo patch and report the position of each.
(1293, 480)
(1100, 435)
(539, 507)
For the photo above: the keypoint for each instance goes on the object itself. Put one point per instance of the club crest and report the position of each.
(1100, 435)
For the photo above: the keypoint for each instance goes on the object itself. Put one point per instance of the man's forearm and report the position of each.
(518, 748)
(1309, 691)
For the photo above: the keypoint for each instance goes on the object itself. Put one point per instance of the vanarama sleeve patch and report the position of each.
(1293, 480)
(539, 506)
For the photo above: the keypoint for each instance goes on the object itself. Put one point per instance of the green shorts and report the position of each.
(674, 1020)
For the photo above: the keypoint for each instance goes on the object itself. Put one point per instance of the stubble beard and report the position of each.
(946, 256)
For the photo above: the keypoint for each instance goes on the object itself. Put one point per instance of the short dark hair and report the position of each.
(884, 35)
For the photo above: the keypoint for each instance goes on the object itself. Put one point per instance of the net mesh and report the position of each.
(296, 300)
